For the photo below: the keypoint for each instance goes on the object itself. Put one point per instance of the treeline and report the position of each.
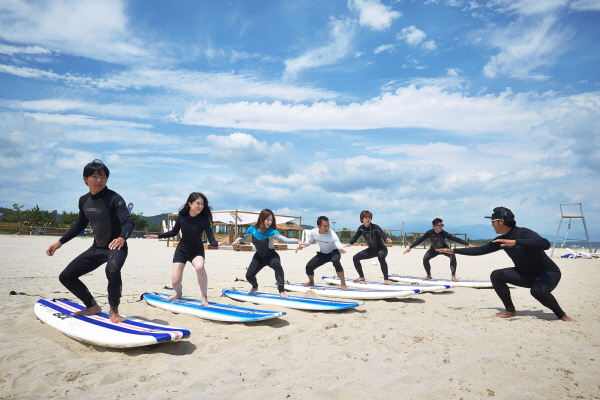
(44, 218)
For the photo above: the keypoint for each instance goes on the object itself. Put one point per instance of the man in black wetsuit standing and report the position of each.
(533, 268)
(111, 223)
(437, 236)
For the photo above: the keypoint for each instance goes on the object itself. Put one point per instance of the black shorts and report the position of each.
(184, 254)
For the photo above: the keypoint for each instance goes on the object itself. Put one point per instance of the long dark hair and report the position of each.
(193, 197)
(264, 214)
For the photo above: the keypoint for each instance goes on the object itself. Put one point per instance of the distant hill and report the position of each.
(156, 219)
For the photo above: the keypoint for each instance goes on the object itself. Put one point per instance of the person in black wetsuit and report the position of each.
(263, 238)
(533, 268)
(111, 223)
(437, 236)
(374, 236)
(194, 219)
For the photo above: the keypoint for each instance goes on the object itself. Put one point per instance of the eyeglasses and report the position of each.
(441, 225)
(495, 220)
(97, 177)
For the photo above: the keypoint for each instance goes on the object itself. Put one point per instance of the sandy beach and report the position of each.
(445, 345)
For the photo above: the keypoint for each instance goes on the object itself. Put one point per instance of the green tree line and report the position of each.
(38, 217)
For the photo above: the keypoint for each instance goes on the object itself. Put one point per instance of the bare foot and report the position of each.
(344, 287)
(387, 282)
(308, 284)
(205, 302)
(428, 277)
(93, 310)
(454, 278)
(567, 319)
(251, 291)
(359, 280)
(174, 297)
(115, 317)
(506, 314)
(283, 295)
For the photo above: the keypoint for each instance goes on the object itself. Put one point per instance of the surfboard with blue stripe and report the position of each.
(295, 302)
(214, 311)
(99, 330)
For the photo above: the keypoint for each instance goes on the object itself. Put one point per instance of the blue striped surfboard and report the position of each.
(295, 302)
(214, 311)
(99, 330)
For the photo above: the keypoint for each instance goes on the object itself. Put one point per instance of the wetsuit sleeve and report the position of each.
(243, 237)
(454, 238)
(284, 239)
(210, 235)
(356, 236)
(173, 232)
(380, 232)
(479, 251)
(124, 216)
(78, 226)
(420, 240)
(531, 239)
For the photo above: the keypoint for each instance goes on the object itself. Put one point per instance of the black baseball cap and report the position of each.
(502, 213)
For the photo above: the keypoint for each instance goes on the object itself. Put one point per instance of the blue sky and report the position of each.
(410, 109)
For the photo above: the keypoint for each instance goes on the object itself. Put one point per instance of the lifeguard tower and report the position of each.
(571, 211)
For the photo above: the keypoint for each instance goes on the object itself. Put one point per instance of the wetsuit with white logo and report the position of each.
(374, 236)
(264, 242)
(329, 244)
(109, 218)
(438, 241)
(191, 245)
(533, 268)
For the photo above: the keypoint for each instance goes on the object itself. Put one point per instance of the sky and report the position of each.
(410, 109)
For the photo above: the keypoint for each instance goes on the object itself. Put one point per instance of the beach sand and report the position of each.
(445, 345)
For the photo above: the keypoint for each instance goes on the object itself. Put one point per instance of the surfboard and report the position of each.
(296, 302)
(382, 286)
(357, 294)
(421, 281)
(214, 311)
(99, 330)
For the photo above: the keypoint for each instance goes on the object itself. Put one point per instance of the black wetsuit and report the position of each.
(533, 268)
(374, 236)
(438, 241)
(192, 228)
(109, 218)
(266, 256)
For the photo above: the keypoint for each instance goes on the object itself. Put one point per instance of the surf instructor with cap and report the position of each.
(111, 223)
(533, 268)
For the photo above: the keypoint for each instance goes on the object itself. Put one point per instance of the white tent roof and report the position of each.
(245, 218)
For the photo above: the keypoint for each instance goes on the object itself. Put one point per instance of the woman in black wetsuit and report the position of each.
(263, 237)
(193, 221)
(374, 236)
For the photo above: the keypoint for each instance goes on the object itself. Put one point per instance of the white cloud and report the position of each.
(585, 5)
(96, 29)
(190, 83)
(341, 34)
(427, 107)
(384, 47)
(526, 46)
(13, 50)
(373, 14)
(414, 36)
(527, 7)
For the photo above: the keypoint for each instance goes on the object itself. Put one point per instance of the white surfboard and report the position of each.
(99, 330)
(214, 311)
(358, 294)
(421, 281)
(296, 302)
(382, 286)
